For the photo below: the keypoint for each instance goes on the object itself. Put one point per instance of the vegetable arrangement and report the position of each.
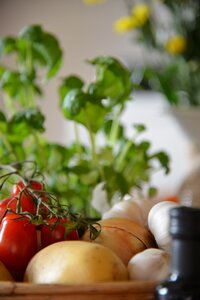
(32, 218)
(120, 163)
(46, 188)
(41, 241)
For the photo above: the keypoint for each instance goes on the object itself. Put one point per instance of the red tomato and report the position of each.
(27, 204)
(19, 186)
(18, 242)
(23, 195)
(4, 205)
(51, 232)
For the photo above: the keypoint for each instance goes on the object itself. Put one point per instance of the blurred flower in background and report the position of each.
(169, 35)
(171, 30)
(139, 16)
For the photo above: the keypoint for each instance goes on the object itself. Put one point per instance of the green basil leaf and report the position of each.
(163, 158)
(92, 116)
(144, 146)
(3, 122)
(113, 80)
(45, 48)
(59, 156)
(32, 33)
(7, 45)
(152, 191)
(30, 119)
(139, 127)
(2, 117)
(73, 102)
(70, 83)
(2, 70)
(11, 83)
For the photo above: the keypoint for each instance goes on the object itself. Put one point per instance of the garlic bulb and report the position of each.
(145, 205)
(99, 198)
(158, 223)
(150, 264)
(136, 210)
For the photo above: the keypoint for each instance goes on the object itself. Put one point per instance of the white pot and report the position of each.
(189, 121)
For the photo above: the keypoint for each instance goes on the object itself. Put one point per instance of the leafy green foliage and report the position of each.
(180, 89)
(33, 49)
(112, 81)
(73, 172)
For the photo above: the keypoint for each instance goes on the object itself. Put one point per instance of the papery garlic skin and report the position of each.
(99, 198)
(150, 264)
(136, 210)
(145, 206)
(158, 223)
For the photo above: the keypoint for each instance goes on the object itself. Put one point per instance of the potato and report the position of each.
(4, 273)
(75, 262)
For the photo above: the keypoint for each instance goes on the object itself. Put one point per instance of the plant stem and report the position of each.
(120, 161)
(9, 147)
(41, 153)
(93, 148)
(29, 68)
(10, 109)
(78, 144)
(115, 127)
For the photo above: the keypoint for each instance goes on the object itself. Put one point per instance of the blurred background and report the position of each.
(84, 32)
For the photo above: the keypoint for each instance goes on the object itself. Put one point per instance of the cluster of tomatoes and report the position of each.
(20, 235)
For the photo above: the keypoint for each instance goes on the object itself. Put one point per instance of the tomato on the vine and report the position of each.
(26, 198)
(20, 186)
(4, 205)
(18, 242)
(54, 230)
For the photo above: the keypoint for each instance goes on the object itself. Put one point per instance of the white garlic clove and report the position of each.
(144, 205)
(150, 264)
(125, 209)
(158, 223)
(134, 209)
(99, 198)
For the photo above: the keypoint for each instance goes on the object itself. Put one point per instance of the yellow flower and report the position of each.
(94, 1)
(125, 24)
(176, 44)
(141, 12)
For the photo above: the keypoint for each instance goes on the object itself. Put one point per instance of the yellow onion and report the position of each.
(124, 237)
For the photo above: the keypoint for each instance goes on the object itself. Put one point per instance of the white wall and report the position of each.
(85, 32)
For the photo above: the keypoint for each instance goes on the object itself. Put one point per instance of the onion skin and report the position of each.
(125, 237)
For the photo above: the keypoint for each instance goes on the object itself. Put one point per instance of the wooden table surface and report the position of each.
(129, 290)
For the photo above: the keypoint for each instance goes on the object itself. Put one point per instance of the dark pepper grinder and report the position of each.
(184, 281)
